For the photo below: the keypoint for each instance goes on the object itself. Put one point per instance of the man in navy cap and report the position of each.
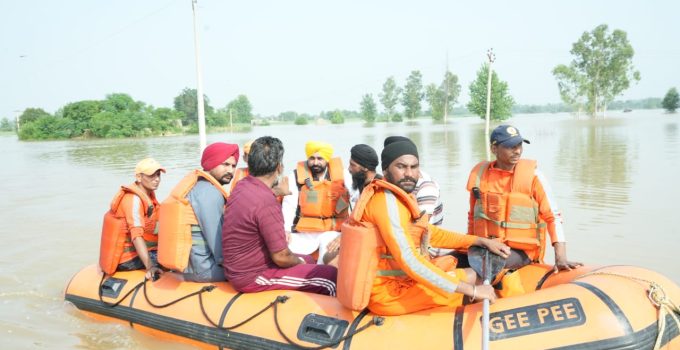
(511, 200)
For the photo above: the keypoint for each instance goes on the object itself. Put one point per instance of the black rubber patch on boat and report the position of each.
(112, 287)
(611, 304)
(537, 318)
(319, 329)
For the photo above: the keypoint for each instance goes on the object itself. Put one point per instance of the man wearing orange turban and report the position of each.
(318, 202)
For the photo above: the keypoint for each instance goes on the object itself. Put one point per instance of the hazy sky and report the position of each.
(309, 56)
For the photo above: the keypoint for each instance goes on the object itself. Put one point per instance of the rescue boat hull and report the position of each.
(588, 308)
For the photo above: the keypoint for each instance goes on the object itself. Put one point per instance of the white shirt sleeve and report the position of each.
(290, 203)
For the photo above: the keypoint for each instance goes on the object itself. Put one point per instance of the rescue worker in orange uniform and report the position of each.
(190, 239)
(510, 200)
(318, 202)
(408, 280)
(129, 235)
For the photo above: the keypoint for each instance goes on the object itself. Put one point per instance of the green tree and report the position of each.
(501, 101)
(337, 117)
(187, 104)
(31, 114)
(46, 128)
(435, 98)
(288, 116)
(413, 94)
(671, 100)
(80, 113)
(571, 87)
(118, 103)
(301, 121)
(451, 89)
(368, 108)
(390, 96)
(602, 68)
(241, 109)
(167, 120)
(5, 125)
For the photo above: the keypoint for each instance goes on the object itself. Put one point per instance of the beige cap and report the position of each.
(148, 166)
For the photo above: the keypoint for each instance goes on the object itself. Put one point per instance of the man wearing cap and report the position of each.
(511, 200)
(199, 201)
(407, 279)
(135, 209)
(360, 172)
(318, 202)
(256, 254)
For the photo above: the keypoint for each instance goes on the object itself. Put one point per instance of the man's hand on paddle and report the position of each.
(561, 262)
(494, 246)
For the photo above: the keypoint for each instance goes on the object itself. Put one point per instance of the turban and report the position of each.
(325, 150)
(395, 150)
(216, 153)
(393, 139)
(246, 147)
(365, 156)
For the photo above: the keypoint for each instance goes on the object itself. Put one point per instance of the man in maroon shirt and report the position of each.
(254, 246)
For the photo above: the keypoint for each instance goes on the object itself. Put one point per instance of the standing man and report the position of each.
(511, 200)
(191, 219)
(318, 202)
(407, 280)
(256, 254)
(129, 235)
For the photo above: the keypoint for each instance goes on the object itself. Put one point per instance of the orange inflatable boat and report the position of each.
(614, 307)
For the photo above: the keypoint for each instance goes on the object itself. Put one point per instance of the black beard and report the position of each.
(316, 170)
(359, 181)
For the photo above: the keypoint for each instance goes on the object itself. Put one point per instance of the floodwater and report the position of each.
(613, 178)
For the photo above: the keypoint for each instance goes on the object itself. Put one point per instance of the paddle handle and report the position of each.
(485, 321)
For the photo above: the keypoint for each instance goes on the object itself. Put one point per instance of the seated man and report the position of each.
(256, 254)
(191, 217)
(241, 173)
(318, 202)
(510, 200)
(132, 221)
(407, 280)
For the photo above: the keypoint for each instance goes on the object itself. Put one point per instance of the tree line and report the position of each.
(601, 69)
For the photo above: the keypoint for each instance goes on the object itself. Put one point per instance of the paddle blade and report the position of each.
(477, 257)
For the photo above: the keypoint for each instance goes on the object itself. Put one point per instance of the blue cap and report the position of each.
(506, 136)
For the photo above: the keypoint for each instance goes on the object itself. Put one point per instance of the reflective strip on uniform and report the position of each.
(391, 273)
(408, 257)
(136, 219)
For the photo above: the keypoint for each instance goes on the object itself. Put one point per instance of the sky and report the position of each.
(309, 55)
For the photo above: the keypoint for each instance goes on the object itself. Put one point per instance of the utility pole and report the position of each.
(492, 57)
(199, 82)
(446, 93)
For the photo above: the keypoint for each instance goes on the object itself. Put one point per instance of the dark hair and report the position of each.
(266, 153)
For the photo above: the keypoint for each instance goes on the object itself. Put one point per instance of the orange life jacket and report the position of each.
(363, 253)
(176, 220)
(239, 174)
(322, 205)
(512, 216)
(116, 247)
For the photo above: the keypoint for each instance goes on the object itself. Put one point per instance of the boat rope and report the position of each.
(279, 299)
(119, 300)
(657, 296)
(375, 320)
(208, 288)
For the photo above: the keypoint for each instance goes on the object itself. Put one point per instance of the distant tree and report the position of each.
(571, 87)
(187, 104)
(501, 101)
(397, 117)
(32, 114)
(368, 108)
(301, 121)
(5, 125)
(602, 68)
(288, 116)
(118, 103)
(81, 114)
(167, 119)
(337, 117)
(671, 100)
(413, 94)
(390, 96)
(435, 98)
(47, 127)
(451, 90)
(241, 108)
